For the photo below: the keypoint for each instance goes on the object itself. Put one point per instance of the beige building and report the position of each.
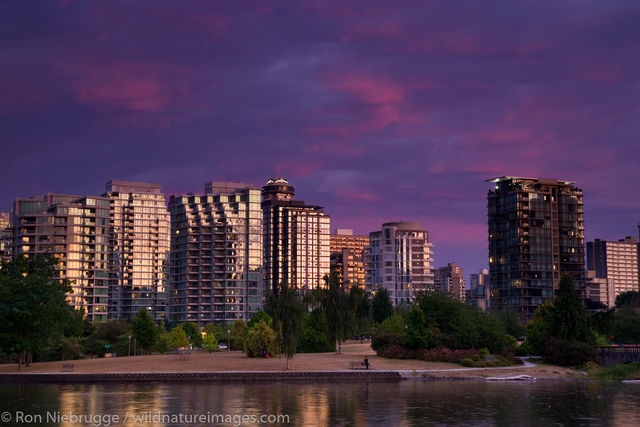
(450, 279)
(347, 257)
(6, 237)
(140, 249)
(398, 259)
(295, 238)
(599, 289)
(615, 261)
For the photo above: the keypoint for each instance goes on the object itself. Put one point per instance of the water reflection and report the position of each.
(407, 403)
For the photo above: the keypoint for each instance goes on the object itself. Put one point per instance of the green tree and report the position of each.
(314, 335)
(336, 306)
(209, 343)
(417, 332)
(629, 298)
(69, 348)
(193, 333)
(390, 332)
(144, 329)
(178, 338)
(34, 305)
(361, 308)
(261, 337)
(569, 319)
(625, 325)
(381, 306)
(261, 315)
(238, 331)
(288, 316)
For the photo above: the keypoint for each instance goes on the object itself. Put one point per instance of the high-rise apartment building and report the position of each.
(398, 259)
(615, 261)
(450, 279)
(599, 289)
(6, 237)
(347, 257)
(140, 249)
(295, 238)
(75, 230)
(216, 254)
(536, 233)
(479, 290)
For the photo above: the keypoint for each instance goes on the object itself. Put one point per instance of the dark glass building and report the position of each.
(536, 233)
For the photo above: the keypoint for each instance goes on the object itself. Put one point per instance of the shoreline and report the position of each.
(268, 376)
(235, 366)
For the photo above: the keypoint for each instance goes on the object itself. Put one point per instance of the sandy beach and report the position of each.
(229, 361)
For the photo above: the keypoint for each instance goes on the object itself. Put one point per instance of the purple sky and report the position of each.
(377, 110)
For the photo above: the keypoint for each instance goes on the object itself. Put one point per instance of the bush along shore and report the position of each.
(438, 328)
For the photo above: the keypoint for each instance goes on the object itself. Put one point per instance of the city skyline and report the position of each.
(378, 113)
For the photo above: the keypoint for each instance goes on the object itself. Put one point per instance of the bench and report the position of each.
(358, 365)
(67, 368)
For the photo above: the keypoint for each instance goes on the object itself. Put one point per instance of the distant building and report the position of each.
(295, 238)
(536, 233)
(140, 249)
(75, 230)
(347, 257)
(450, 279)
(398, 259)
(6, 237)
(479, 291)
(599, 289)
(216, 255)
(615, 261)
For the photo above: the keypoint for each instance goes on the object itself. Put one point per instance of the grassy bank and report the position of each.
(622, 371)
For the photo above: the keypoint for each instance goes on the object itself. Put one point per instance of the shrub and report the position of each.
(568, 353)
(210, 344)
(261, 337)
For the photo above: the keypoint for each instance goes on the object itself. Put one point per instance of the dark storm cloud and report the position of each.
(377, 110)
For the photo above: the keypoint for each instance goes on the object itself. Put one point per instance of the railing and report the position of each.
(624, 348)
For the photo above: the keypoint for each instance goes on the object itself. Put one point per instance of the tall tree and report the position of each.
(288, 317)
(144, 329)
(361, 309)
(193, 333)
(381, 307)
(336, 306)
(569, 319)
(34, 305)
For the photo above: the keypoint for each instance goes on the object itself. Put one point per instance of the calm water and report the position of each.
(406, 403)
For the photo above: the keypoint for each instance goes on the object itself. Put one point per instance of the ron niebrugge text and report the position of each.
(149, 417)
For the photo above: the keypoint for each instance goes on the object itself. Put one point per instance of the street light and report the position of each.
(129, 345)
(229, 340)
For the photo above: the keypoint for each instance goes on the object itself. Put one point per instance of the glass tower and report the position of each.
(216, 257)
(140, 242)
(75, 230)
(536, 233)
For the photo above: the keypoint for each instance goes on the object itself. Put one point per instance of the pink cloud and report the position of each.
(353, 194)
(377, 102)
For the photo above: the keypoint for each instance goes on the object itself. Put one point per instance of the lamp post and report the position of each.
(229, 340)
(135, 346)
(129, 345)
